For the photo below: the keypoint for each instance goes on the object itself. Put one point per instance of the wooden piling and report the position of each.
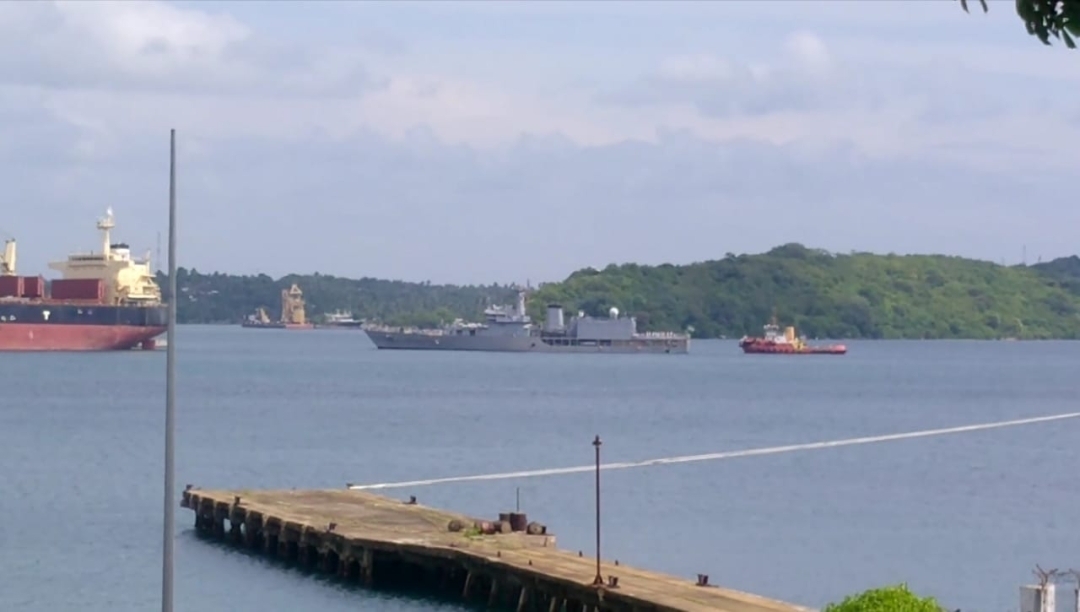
(372, 539)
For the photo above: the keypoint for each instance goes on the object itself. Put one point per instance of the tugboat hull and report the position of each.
(762, 347)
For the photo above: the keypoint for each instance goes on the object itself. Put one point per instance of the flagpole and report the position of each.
(170, 396)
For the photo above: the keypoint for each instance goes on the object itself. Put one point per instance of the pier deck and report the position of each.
(379, 540)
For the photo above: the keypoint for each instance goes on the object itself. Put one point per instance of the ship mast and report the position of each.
(521, 302)
(105, 225)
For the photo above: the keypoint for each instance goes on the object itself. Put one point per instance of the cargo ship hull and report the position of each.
(56, 326)
(522, 343)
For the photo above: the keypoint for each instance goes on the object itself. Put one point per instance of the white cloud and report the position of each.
(925, 103)
(482, 154)
(695, 68)
(149, 45)
(809, 51)
(423, 209)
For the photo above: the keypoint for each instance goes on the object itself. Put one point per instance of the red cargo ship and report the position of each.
(775, 343)
(105, 301)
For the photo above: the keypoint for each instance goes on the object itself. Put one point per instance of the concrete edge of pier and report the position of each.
(380, 541)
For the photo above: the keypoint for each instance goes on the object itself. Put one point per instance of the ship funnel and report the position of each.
(554, 321)
(7, 261)
(613, 313)
(106, 224)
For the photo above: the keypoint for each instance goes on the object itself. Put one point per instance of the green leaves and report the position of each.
(897, 598)
(1045, 18)
(1068, 23)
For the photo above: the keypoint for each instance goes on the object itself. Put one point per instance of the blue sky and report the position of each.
(505, 141)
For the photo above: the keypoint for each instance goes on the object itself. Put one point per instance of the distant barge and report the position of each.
(293, 314)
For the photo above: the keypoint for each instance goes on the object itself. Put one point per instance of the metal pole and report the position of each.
(599, 580)
(170, 396)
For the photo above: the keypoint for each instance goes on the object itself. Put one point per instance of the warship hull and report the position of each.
(276, 325)
(55, 326)
(523, 344)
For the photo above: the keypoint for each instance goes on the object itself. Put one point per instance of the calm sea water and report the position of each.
(963, 517)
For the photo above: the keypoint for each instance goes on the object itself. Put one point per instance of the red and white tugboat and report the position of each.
(775, 343)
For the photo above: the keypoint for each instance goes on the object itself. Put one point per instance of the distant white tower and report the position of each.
(105, 225)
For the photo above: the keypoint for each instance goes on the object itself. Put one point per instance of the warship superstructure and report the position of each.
(508, 328)
(339, 320)
(103, 301)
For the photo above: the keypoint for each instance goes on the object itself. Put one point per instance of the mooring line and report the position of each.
(752, 452)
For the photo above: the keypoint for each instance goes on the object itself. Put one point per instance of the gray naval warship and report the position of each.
(507, 328)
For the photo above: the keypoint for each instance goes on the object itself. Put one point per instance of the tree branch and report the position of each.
(1045, 18)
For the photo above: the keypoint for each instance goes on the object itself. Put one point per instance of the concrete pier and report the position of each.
(508, 562)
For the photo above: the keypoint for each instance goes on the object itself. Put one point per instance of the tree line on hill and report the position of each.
(826, 295)
(227, 298)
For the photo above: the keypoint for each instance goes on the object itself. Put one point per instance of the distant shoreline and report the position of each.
(858, 296)
(854, 339)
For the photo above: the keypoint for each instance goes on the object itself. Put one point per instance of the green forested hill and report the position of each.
(1065, 272)
(838, 296)
(825, 295)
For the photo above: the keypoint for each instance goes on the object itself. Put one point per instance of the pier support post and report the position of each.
(493, 595)
(219, 523)
(523, 599)
(367, 569)
(446, 576)
(468, 586)
(270, 543)
(253, 531)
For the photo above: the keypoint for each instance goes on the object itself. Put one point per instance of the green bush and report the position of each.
(897, 598)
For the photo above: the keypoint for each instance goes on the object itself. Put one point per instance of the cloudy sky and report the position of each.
(497, 141)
